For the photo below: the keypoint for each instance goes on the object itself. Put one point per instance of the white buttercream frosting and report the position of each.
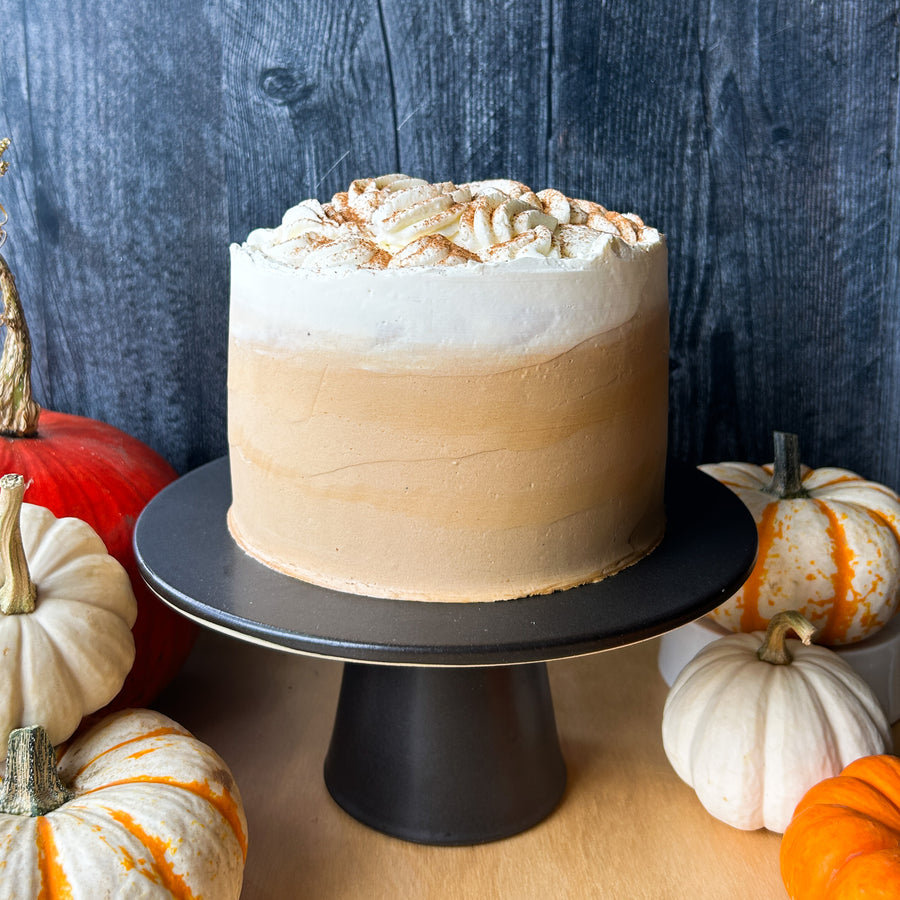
(395, 315)
(395, 221)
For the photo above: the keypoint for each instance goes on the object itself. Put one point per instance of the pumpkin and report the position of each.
(84, 468)
(137, 807)
(843, 841)
(754, 720)
(66, 611)
(829, 547)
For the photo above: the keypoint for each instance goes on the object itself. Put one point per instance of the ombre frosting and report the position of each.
(448, 392)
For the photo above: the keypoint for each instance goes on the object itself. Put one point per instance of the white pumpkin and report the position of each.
(754, 720)
(829, 547)
(66, 611)
(137, 807)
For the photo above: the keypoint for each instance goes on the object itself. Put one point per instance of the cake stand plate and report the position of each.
(444, 731)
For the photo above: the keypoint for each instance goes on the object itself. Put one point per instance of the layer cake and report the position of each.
(448, 392)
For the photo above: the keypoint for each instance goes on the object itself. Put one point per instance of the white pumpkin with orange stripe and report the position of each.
(136, 807)
(829, 547)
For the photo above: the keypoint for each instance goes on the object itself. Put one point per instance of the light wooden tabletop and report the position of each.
(627, 827)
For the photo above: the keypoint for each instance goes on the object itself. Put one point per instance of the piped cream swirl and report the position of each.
(395, 221)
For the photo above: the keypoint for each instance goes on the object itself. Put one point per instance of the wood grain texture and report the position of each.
(470, 89)
(799, 105)
(760, 137)
(309, 104)
(125, 285)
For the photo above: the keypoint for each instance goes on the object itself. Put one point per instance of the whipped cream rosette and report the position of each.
(443, 224)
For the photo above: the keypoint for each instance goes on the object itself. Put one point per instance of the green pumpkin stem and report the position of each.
(18, 411)
(18, 593)
(774, 648)
(31, 785)
(787, 477)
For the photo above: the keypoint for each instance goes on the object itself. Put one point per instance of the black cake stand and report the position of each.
(445, 731)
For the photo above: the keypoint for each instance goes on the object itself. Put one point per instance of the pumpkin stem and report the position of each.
(18, 411)
(4, 165)
(774, 648)
(18, 592)
(787, 475)
(31, 786)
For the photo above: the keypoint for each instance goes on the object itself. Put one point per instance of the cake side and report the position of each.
(473, 432)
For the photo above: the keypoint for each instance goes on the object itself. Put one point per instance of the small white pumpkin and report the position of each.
(754, 720)
(829, 547)
(66, 611)
(137, 807)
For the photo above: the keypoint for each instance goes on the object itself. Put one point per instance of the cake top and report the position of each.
(395, 221)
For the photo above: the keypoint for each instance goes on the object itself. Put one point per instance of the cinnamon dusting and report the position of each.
(374, 222)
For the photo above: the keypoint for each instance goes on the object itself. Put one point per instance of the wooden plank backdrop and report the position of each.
(760, 137)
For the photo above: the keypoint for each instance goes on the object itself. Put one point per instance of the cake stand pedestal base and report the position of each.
(446, 755)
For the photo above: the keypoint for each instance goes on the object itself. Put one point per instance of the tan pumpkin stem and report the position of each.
(31, 786)
(18, 593)
(19, 412)
(774, 648)
(787, 474)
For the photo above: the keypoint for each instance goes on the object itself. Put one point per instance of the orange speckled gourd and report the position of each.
(137, 807)
(843, 841)
(829, 547)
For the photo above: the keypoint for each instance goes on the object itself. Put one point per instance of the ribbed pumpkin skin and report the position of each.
(156, 815)
(750, 737)
(90, 470)
(843, 842)
(70, 654)
(833, 555)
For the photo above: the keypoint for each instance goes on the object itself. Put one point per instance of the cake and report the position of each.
(448, 392)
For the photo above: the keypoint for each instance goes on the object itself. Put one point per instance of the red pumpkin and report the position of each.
(95, 472)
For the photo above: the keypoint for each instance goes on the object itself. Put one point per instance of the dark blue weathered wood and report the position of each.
(800, 104)
(125, 274)
(760, 137)
(470, 88)
(308, 100)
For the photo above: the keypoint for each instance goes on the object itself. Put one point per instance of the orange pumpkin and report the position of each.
(843, 841)
(829, 547)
